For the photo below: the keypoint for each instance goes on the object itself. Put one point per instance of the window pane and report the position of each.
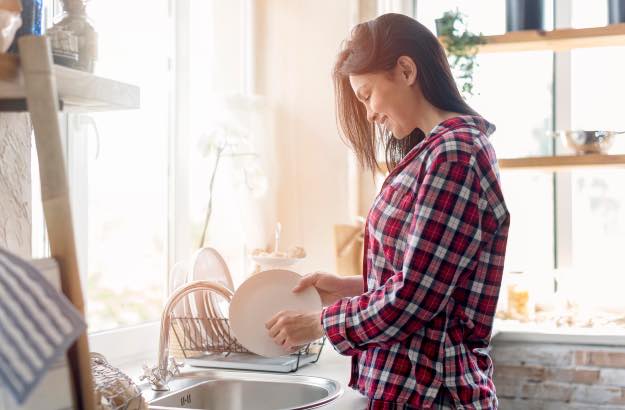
(514, 91)
(598, 91)
(589, 13)
(127, 169)
(598, 196)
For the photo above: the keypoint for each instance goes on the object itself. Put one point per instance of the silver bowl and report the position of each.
(587, 142)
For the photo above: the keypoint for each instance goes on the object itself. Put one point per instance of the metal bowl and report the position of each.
(587, 142)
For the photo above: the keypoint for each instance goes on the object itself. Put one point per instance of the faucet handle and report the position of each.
(157, 377)
(173, 367)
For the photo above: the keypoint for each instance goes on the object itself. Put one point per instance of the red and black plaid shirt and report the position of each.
(435, 242)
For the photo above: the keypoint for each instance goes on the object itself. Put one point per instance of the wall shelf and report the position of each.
(78, 91)
(556, 40)
(560, 163)
(554, 163)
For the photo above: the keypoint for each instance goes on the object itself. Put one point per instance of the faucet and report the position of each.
(167, 367)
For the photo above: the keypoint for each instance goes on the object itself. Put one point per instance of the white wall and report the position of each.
(296, 44)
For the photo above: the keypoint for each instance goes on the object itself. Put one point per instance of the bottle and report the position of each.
(32, 21)
(73, 38)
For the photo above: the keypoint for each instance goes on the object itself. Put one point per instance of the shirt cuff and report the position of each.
(333, 320)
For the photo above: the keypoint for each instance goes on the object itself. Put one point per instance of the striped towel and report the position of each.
(37, 325)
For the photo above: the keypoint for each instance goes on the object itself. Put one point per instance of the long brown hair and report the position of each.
(375, 46)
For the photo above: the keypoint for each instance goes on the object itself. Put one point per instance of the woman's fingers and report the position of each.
(306, 281)
(281, 337)
(272, 322)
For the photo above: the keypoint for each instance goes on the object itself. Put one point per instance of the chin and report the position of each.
(400, 135)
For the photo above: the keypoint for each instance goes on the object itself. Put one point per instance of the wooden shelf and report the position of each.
(556, 40)
(78, 90)
(555, 163)
(560, 163)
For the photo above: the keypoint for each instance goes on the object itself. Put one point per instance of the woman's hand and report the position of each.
(331, 287)
(292, 330)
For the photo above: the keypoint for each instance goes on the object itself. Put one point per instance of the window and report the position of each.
(572, 221)
(138, 192)
(118, 170)
(127, 168)
(597, 215)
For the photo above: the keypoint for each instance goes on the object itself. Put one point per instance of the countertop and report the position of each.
(333, 366)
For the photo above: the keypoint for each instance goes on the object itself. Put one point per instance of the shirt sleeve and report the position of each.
(443, 240)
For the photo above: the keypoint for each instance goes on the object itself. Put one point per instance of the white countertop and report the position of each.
(333, 366)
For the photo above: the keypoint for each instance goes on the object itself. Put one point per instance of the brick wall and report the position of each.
(533, 376)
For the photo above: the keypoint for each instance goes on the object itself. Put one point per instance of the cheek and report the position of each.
(387, 102)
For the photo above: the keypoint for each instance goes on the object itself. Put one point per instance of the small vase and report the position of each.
(524, 15)
(73, 38)
(616, 11)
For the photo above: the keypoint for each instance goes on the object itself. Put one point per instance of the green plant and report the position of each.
(461, 46)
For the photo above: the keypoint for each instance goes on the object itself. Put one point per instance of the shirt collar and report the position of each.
(473, 121)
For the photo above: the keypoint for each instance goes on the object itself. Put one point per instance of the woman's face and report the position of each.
(389, 97)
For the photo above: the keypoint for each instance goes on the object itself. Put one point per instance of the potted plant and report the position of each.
(461, 46)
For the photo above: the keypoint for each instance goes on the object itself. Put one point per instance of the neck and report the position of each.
(430, 116)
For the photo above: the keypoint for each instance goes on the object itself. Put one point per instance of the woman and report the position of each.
(418, 328)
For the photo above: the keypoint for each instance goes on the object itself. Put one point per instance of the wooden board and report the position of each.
(556, 40)
(41, 96)
(562, 163)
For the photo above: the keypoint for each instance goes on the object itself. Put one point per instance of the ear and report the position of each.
(406, 69)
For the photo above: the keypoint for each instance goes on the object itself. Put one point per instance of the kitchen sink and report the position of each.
(226, 390)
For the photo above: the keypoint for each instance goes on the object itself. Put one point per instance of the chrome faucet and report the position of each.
(167, 367)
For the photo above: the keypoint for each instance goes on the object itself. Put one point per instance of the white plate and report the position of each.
(178, 277)
(258, 299)
(208, 264)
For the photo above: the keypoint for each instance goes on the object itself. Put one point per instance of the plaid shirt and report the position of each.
(435, 242)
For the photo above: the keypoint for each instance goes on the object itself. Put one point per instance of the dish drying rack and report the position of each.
(204, 337)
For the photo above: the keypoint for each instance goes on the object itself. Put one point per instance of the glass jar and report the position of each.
(73, 38)
(520, 298)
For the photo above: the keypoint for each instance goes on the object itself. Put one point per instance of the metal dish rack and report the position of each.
(220, 348)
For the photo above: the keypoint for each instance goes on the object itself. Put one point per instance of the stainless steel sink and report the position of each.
(224, 390)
